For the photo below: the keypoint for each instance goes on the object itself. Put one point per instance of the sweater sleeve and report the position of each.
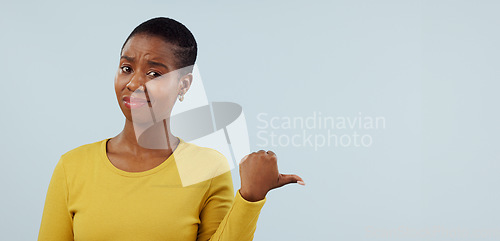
(224, 218)
(57, 223)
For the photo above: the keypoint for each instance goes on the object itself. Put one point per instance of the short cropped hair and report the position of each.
(173, 32)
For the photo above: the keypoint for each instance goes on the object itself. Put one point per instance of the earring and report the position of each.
(181, 98)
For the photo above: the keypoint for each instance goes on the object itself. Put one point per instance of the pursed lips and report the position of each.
(134, 102)
(134, 99)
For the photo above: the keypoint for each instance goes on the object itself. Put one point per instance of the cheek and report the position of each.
(163, 95)
(166, 91)
(119, 84)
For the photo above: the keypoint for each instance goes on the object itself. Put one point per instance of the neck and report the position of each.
(137, 138)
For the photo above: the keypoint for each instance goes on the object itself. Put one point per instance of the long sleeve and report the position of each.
(88, 198)
(56, 224)
(224, 218)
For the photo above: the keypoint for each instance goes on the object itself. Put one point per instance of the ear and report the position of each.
(185, 82)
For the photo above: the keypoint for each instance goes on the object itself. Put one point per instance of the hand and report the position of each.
(259, 174)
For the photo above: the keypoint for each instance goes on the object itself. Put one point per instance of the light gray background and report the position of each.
(429, 67)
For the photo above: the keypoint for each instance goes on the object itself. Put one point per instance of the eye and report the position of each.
(126, 69)
(153, 74)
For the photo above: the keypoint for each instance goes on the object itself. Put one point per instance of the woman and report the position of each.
(145, 183)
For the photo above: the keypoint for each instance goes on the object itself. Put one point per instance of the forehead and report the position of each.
(149, 46)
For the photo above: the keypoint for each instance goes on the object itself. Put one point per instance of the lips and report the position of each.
(134, 102)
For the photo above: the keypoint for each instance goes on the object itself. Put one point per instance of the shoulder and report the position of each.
(197, 163)
(79, 155)
(205, 153)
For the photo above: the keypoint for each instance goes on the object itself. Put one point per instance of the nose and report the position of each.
(136, 82)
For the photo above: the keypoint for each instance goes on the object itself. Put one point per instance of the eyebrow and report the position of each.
(127, 58)
(153, 63)
(150, 62)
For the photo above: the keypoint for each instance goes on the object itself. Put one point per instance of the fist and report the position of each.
(259, 174)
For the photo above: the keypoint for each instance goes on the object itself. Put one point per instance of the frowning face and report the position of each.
(147, 82)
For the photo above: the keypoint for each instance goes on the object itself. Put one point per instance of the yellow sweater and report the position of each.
(90, 199)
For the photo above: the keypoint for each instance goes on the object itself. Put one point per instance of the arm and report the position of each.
(224, 218)
(259, 174)
(57, 223)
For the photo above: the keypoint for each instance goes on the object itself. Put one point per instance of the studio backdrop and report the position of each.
(387, 109)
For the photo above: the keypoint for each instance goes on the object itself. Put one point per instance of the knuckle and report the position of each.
(272, 155)
(271, 158)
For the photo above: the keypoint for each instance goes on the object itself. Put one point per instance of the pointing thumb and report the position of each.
(284, 179)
